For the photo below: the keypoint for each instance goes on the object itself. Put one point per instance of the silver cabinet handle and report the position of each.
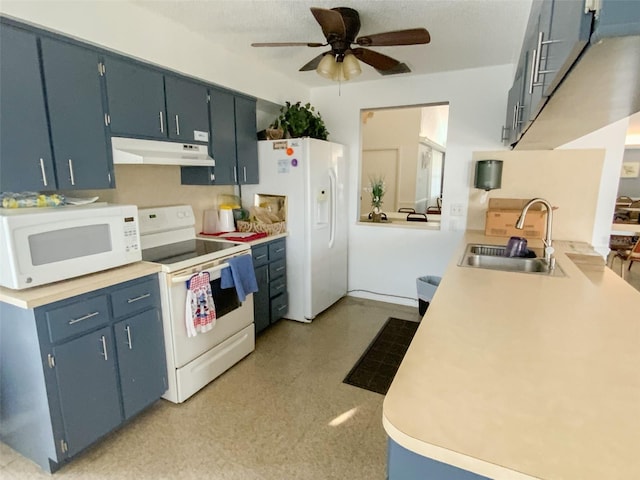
(244, 172)
(104, 347)
(44, 173)
(80, 319)
(71, 176)
(280, 250)
(235, 174)
(531, 78)
(161, 123)
(213, 177)
(282, 308)
(279, 287)
(260, 257)
(177, 125)
(537, 58)
(128, 330)
(133, 300)
(279, 269)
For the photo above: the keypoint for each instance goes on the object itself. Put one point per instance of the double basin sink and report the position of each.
(492, 257)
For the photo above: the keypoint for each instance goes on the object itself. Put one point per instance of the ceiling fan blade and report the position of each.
(288, 44)
(330, 21)
(313, 64)
(412, 36)
(375, 59)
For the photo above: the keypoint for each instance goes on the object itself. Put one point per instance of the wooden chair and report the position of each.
(631, 256)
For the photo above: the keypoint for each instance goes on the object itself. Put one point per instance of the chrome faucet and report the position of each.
(548, 247)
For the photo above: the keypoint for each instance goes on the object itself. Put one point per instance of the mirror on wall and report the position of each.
(406, 148)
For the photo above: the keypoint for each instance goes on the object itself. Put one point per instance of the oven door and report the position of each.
(231, 314)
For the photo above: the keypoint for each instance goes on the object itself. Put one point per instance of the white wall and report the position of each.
(138, 32)
(387, 260)
(611, 138)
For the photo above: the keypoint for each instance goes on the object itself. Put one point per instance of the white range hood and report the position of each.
(153, 152)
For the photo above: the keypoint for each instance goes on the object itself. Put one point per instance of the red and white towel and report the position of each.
(200, 311)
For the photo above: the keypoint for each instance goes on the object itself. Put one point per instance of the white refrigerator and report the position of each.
(312, 174)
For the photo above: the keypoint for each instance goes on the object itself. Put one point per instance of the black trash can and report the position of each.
(427, 286)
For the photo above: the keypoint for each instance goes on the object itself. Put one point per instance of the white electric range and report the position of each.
(168, 237)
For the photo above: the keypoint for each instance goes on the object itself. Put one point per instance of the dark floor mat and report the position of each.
(377, 366)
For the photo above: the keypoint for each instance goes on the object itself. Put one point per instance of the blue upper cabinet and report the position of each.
(223, 136)
(187, 110)
(246, 140)
(26, 162)
(564, 31)
(136, 100)
(571, 49)
(233, 142)
(145, 103)
(79, 131)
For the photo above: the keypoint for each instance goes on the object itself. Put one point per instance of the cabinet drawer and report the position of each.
(279, 306)
(277, 286)
(277, 269)
(77, 317)
(135, 298)
(277, 249)
(260, 255)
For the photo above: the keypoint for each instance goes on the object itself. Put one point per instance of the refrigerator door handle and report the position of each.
(334, 207)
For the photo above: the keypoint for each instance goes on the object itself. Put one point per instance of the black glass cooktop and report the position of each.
(181, 251)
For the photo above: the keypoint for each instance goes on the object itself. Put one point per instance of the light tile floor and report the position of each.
(281, 413)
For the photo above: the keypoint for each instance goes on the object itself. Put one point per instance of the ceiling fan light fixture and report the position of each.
(339, 76)
(328, 67)
(351, 66)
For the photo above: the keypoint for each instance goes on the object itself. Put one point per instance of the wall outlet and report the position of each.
(457, 210)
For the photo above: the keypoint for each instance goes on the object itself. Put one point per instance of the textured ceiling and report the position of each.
(464, 33)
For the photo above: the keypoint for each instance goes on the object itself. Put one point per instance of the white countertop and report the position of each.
(524, 376)
(38, 296)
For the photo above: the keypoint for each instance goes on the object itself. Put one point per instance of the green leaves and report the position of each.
(301, 121)
(376, 185)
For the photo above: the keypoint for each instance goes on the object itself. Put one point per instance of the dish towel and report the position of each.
(241, 275)
(200, 311)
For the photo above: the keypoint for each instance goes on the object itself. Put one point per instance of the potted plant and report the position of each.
(376, 185)
(297, 120)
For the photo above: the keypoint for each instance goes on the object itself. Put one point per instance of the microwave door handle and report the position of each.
(184, 278)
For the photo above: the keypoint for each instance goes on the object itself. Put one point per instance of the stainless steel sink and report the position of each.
(492, 257)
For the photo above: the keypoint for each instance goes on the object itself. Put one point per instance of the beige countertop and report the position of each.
(38, 296)
(522, 376)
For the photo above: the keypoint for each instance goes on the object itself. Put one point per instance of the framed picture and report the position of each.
(630, 169)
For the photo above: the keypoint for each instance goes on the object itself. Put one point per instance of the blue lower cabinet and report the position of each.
(271, 302)
(87, 385)
(78, 368)
(403, 464)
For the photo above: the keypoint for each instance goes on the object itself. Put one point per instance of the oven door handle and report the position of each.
(184, 278)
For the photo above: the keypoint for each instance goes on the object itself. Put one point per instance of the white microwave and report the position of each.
(45, 245)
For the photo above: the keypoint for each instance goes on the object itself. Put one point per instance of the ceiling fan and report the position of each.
(340, 27)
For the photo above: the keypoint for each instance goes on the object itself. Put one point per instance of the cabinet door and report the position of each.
(246, 140)
(141, 360)
(564, 40)
(261, 299)
(88, 388)
(187, 110)
(26, 162)
(223, 136)
(136, 100)
(81, 143)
